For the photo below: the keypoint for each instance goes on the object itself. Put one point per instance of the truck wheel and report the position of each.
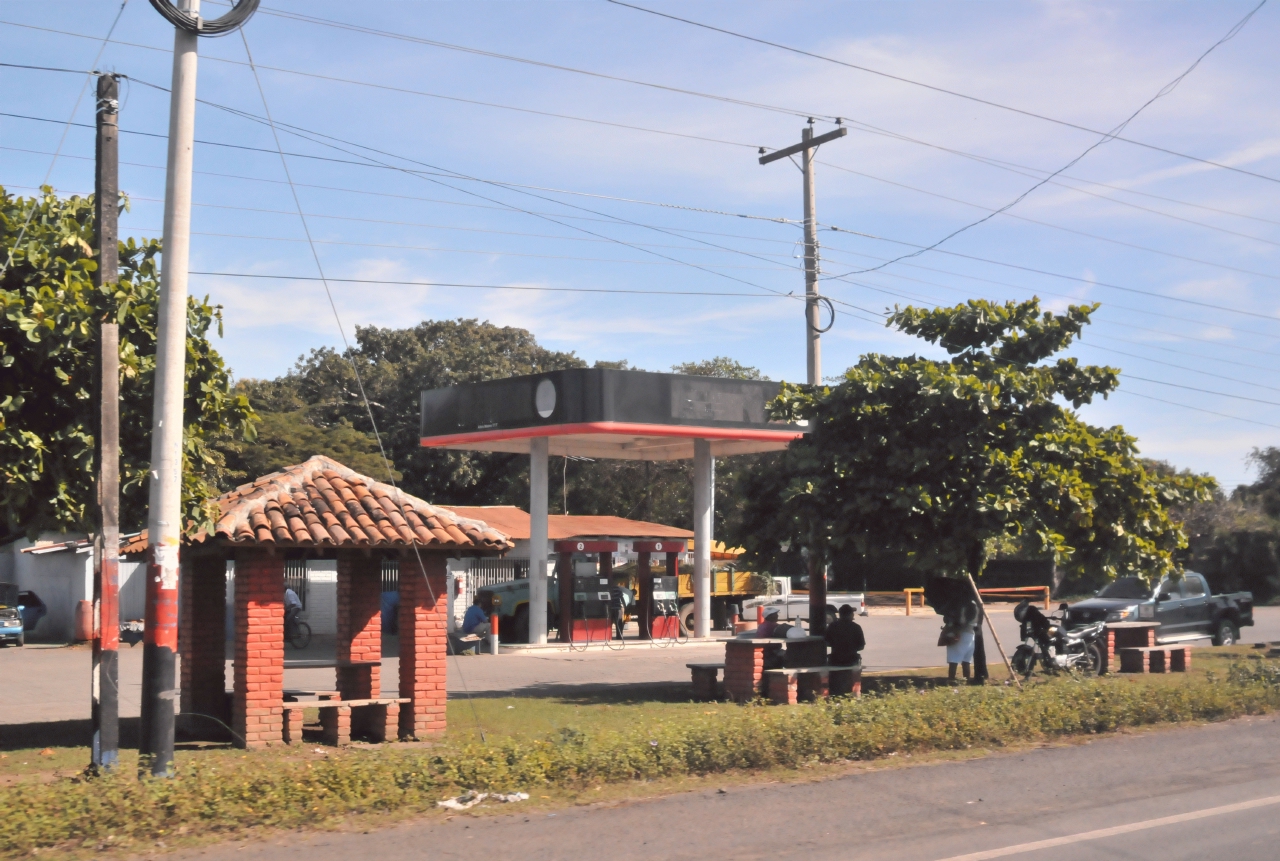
(686, 619)
(520, 627)
(1226, 634)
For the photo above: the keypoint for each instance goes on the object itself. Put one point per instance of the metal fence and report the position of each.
(295, 578)
(390, 575)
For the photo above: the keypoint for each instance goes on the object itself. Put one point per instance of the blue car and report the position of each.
(13, 620)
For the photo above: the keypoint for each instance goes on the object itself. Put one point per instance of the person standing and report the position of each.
(958, 636)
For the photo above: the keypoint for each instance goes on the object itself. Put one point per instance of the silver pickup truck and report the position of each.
(793, 606)
(1184, 607)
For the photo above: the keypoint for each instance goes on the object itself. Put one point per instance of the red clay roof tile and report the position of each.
(323, 502)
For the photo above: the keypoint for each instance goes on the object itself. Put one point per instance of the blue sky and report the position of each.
(1168, 227)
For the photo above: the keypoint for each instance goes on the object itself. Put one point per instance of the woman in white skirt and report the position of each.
(961, 621)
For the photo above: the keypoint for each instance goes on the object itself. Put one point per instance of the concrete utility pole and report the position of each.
(106, 581)
(807, 149)
(164, 507)
(703, 490)
(538, 448)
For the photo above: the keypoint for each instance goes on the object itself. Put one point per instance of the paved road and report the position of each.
(55, 681)
(1181, 795)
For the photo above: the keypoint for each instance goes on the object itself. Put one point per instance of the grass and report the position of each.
(561, 749)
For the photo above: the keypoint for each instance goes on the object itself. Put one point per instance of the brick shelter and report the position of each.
(321, 509)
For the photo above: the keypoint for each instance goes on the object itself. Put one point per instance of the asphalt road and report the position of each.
(1179, 795)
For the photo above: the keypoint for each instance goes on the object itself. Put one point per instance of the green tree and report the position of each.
(939, 459)
(327, 414)
(50, 312)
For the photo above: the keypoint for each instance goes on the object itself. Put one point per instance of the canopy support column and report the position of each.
(703, 490)
(538, 539)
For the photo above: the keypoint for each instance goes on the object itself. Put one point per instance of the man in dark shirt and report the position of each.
(844, 636)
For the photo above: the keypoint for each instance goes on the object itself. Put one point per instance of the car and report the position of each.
(12, 628)
(1184, 607)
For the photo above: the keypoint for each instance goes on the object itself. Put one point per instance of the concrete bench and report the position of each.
(1155, 659)
(793, 684)
(379, 718)
(706, 684)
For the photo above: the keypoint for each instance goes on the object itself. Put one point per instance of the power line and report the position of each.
(1012, 167)
(1185, 368)
(1107, 137)
(1050, 224)
(62, 139)
(517, 287)
(1240, 25)
(1041, 291)
(1202, 391)
(1197, 409)
(1035, 271)
(298, 132)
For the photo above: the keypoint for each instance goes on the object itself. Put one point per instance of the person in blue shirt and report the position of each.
(477, 620)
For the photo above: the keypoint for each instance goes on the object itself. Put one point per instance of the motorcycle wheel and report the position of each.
(1024, 661)
(300, 636)
(1092, 664)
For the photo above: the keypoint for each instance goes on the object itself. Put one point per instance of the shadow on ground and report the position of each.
(63, 733)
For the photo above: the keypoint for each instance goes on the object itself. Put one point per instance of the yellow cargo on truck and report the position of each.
(730, 586)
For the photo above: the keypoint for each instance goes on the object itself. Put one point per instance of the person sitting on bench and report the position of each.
(845, 638)
(477, 620)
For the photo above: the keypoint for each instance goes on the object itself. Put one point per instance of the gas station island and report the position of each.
(603, 413)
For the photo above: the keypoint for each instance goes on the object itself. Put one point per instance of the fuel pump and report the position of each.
(666, 608)
(590, 609)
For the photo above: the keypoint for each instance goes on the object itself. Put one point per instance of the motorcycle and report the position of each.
(1047, 641)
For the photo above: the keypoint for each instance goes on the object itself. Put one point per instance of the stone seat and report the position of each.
(792, 684)
(1155, 659)
(378, 717)
(706, 680)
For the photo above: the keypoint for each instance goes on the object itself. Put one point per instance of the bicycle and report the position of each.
(296, 631)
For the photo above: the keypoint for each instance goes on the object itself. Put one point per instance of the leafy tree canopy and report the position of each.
(942, 459)
(50, 312)
(322, 412)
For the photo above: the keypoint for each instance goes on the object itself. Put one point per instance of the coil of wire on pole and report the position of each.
(228, 23)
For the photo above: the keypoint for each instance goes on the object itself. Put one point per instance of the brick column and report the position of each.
(422, 645)
(202, 644)
(743, 669)
(359, 625)
(258, 701)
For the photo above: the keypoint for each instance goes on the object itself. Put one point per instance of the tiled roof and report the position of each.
(515, 523)
(321, 503)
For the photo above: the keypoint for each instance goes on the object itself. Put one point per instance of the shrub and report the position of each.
(282, 792)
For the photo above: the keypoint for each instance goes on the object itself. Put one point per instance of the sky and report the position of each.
(589, 172)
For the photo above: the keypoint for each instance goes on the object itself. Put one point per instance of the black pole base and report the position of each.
(106, 711)
(158, 693)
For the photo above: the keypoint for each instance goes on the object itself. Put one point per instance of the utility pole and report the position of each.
(807, 149)
(106, 581)
(164, 505)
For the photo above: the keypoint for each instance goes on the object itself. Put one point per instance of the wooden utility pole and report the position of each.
(106, 581)
(808, 150)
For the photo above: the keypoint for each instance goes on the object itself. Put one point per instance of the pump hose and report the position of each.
(228, 23)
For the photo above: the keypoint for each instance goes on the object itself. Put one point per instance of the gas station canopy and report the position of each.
(605, 413)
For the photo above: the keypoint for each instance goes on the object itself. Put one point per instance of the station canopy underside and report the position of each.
(619, 442)
(607, 414)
